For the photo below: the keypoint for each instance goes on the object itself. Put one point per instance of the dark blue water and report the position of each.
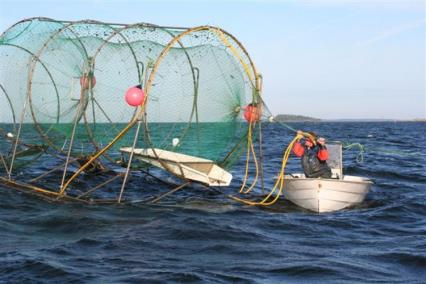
(198, 235)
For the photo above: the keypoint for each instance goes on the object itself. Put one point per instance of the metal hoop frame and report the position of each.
(228, 40)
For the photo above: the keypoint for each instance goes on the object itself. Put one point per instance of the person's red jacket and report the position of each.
(298, 149)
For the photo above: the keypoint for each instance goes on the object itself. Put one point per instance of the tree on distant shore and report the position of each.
(291, 117)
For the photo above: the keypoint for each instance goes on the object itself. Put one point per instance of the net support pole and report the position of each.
(129, 163)
(4, 164)
(50, 171)
(15, 147)
(67, 162)
(99, 186)
(262, 179)
(195, 107)
(169, 192)
(259, 90)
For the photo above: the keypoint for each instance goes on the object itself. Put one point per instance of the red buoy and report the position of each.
(251, 113)
(85, 81)
(135, 96)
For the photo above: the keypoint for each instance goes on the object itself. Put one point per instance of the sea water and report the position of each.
(199, 235)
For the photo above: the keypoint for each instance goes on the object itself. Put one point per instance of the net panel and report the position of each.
(66, 83)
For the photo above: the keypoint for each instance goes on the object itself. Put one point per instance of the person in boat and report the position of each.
(313, 154)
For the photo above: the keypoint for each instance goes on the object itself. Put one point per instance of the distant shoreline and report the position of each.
(302, 118)
(371, 120)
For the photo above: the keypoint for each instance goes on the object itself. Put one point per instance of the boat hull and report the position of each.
(183, 166)
(325, 195)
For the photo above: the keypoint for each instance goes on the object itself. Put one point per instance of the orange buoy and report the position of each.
(251, 113)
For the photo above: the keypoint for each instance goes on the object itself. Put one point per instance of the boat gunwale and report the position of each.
(365, 181)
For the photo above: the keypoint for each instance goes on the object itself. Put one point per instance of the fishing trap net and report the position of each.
(64, 117)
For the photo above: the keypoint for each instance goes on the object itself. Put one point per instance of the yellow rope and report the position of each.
(247, 159)
(279, 184)
(250, 148)
(256, 164)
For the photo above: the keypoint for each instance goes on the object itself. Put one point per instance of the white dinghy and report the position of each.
(184, 166)
(323, 194)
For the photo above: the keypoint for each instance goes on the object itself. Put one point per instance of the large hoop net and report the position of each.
(62, 87)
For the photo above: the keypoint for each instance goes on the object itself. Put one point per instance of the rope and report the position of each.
(347, 146)
(250, 149)
(264, 105)
(279, 184)
(362, 150)
(360, 155)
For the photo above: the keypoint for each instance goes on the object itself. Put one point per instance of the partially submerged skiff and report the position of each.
(326, 195)
(185, 166)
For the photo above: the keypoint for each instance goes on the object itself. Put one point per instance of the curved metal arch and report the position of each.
(10, 105)
(244, 50)
(86, 57)
(28, 20)
(46, 20)
(148, 25)
(92, 67)
(21, 32)
(144, 25)
(53, 36)
(166, 50)
(119, 32)
(195, 77)
(141, 111)
(163, 55)
(50, 76)
(128, 126)
(105, 41)
(32, 69)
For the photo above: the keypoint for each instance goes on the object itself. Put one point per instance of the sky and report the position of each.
(330, 59)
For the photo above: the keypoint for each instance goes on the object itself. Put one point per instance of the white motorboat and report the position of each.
(327, 194)
(184, 166)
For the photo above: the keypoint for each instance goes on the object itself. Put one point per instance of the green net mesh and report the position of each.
(63, 85)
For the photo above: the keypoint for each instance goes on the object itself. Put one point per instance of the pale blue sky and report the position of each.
(324, 58)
